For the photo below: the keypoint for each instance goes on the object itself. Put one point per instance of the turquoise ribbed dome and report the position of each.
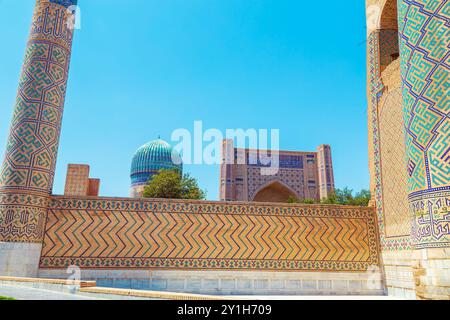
(151, 158)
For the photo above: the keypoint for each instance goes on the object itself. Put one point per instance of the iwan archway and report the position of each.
(274, 191)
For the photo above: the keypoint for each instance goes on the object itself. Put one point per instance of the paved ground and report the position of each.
(23, 293)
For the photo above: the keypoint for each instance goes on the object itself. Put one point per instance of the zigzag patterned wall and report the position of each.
(124, 233)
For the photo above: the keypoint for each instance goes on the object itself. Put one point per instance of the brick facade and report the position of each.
(302, 175)
(78, 182)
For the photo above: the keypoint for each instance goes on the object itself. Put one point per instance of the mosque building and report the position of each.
(300, 175)
(148, 160)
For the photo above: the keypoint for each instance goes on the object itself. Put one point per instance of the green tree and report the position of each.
(362, 198)
(190, 189)
(346, 197)
(170, 184)
(332, 199)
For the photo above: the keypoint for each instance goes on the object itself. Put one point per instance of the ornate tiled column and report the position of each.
(424, 29)
(26, 177)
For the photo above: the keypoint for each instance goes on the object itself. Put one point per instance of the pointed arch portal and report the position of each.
(274, 191)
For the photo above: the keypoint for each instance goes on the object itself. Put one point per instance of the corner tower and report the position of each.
(326, 175)
(409, 132)
(27, 172)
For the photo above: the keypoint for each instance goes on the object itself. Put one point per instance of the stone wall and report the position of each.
(399, 273)
(432, 273)
(230, 282)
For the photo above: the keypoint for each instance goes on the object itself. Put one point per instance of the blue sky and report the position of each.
(143, 68)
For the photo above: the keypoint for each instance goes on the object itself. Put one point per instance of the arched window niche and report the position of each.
(388, 34)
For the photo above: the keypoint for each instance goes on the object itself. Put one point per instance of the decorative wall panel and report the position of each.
(123, 233)
(425, 55)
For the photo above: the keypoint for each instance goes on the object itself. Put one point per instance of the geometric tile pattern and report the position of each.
(292, 178)
(77, 180)
(393, 166)
(425, 52)
(32, 146)
(22, 217)
(127, 233)
(424, 32)
(27, 172)
(375, 93)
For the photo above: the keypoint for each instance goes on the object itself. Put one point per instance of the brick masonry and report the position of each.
(155, 234)
(78, 182)
(301, 175)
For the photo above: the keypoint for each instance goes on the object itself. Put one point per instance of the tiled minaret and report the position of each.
(26, 177)
(424, 30)
(409, 126)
